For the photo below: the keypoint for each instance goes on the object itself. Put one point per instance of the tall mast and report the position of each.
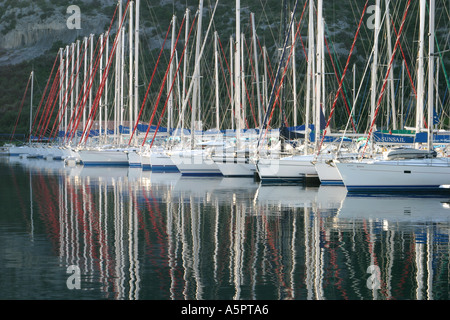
(72, 47)
(420, 70)
(237, 74)
(216, 77)
(66, 91)
(85, 79)
(101, 79)
(319, 76)
(61, 85)
(391, 73)
(169, 83)
(375, 62)
(31, 105)
(131, 84)
(106, 88)
(309, 73)
(431, 75)
(196, 76)
(186, 35)
(255, 54)
(294, 74)
(232, 100)
(136, 63)
(243, 97)
(117, 110)
(78, 70)
(91, 75)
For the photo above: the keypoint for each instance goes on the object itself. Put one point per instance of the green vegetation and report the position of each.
(341, 18)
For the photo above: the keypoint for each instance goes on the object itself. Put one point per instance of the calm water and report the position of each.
(132, 234)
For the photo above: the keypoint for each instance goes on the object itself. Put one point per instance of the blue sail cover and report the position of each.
(422, 137)
(381, 137)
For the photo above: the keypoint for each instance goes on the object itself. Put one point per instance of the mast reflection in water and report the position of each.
(141, 235)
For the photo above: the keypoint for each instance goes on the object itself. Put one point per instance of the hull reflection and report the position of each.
(139, 235)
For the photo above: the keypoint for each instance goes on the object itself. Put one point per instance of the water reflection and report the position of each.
(142, 235)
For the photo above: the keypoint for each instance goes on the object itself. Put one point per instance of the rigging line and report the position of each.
(164, 82)
(287, 36)
(20, 109)
(102, 84)
(89, 79)
(45, 109)
(245, 85)
(343, 93)
(406, 63)
(440, 56)
(66, 97)
(223, 71)
(173, 81)
(48, 104)
(50, 100)
(53, 101)
(342, 78)
(74, 116)
(45, 90)
(386, 77)
(196, 67)
(150, 83)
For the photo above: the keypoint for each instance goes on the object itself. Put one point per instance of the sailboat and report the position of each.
(418, 174)
(196, 159)
(298, 167)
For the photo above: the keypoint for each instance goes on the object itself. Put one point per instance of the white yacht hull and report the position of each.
(103, 157)
(418, 175)
(195, 163)
(231, 166)
(292, 168)
(161, 162)
(134, 159)
(328, 173)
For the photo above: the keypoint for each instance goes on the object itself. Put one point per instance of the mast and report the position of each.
(84, 80)
(61, 85)
(122, 79)
(118, 72)
(309, 73)
(78, 70)
(232, 82)
(216, 76)
(266, 81)
(106, 89)
(391, 73)
(130, 76)
(294, 79)
(91, 76)
(255, 53)
(196, 76)
(101, 78)
(319, 73)
(186, 35)
(72, 47)
(375, 62)
(237, 74)
(420, 70)
(243, 96)
(31, 105)
(136, 63)
(66, 91)
(169, 83)
(431, 74)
